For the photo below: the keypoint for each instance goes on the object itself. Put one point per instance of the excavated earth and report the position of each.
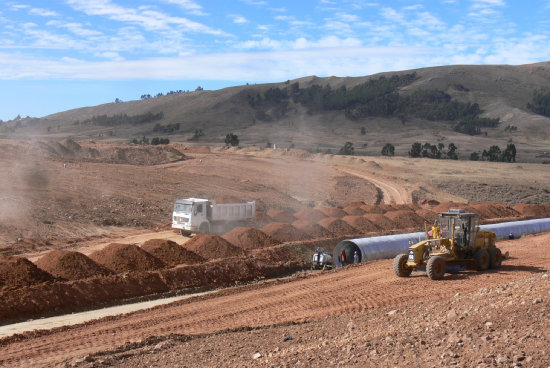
(97, 235)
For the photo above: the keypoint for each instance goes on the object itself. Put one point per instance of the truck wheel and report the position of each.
(495, 257)
(436, 268)
(400, 265)
(481, 256)
(204, 228)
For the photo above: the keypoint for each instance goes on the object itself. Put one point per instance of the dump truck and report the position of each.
(454, 239)
(198, 215)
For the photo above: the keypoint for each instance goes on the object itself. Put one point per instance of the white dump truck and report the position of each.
(197, 215)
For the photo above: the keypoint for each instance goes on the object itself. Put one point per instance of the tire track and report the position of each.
(392, 193)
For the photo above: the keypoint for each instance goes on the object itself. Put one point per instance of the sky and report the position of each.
(61, 54)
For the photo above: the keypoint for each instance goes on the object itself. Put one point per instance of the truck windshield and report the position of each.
(183, 207)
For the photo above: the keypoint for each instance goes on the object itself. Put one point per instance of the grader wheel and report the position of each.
(481, 256)
(435, 268)
(400, 265)
(495, 257)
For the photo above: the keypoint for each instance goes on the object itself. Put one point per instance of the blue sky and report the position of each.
(62, 54)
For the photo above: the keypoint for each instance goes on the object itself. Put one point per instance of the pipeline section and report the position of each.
(388, 246)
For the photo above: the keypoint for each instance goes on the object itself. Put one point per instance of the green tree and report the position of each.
(388, 150)
(474, 156)
(509, 153)
(231, 140)
(494, 153)
(347, 149)
(416, 150)
(451, 151)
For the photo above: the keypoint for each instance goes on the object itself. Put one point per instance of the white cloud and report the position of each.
(43, 12)
(238, 19)
(190, 6)
(75, 28)
(148, 19)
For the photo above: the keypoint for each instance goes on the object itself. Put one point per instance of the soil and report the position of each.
(338, 226)
(281, 215)
(405, 219)
(212, 247)
(283, 232)
(121, 258)
(381, 221)
(249, 238)
(361, 223)
(333, 212)
(70, 265)
(310, 215)
(313, 231)
(170, 252)
(17, 272)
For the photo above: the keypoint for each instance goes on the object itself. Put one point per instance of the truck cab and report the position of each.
(189, 214)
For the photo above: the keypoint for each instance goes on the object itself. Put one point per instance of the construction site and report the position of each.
(87, 227)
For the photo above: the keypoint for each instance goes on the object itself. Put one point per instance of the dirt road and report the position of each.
(309, 296)
(393, 191)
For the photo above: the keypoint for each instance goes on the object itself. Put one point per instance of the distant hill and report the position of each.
(472, 106)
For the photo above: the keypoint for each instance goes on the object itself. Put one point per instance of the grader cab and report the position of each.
(455, 239)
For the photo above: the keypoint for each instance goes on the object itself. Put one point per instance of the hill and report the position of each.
(320, 114)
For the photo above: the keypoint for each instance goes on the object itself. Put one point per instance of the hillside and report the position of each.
(287, 114)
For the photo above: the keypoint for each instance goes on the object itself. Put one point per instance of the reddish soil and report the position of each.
(361, 223)
(70, 265)
(170, 252)
(310, 215)
(249, 238)
(336, 212)
(405, 219)
(381, 221)
(121, 258)
(281, 215)
(533, 210)
(338, 226)
(313, 231)
(284, 232)
(227, 199)
(502, 312)
(380, 208)
(212, 247)
(261, 219)
(353, 210)
(16, 272)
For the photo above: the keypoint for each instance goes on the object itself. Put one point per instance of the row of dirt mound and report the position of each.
(68, 150)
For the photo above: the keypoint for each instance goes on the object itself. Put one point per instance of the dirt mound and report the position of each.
(338, 226)
(125, 258)
(212, 247)
(284, 232)
(311, 215)
(492, 210)
(354, 210)
(428, 215)
(361, 223)
(261, 219)
(445, 206)
(380, 220)
(405, 219)
(533, 210)
(249, 238)
(355, 204)
(313, 231)
(335, 212)
(171, 253)
(227, 199)
(281, 215)
(70, 265)
(376, 208)
(428, 203)
(16, 272)
(71, 145)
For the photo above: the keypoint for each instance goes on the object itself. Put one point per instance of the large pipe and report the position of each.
(388, 246)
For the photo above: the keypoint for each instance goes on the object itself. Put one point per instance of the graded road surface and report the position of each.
(305, 297)
(392, 191)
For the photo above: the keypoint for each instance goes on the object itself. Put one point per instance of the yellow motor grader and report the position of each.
(455, 239)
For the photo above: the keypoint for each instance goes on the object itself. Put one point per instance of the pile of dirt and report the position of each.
(428, 203)
(352, 210)
(361, 223)
(284, 232)
(380, 220)
(533, 210)
(121, 258)
(428, 215)
(313, 231)
(212, 247)
(311, 215)
(70, 265)
(445, 206)
(261, 219)
(281, 215)
(336, 212)
(338, 226)
(492, 210)
(405, 219)
(171, 253)
(249, 238)
(16, 272)
(376, 208)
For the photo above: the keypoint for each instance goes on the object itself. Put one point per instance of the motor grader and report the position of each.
(455, 239)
